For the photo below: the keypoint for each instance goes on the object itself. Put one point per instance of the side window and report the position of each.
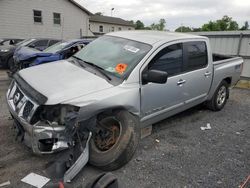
(169, 60)
(196, 55)
(51, 42)
(40, 43)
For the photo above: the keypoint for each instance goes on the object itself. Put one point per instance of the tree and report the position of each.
(196, 29)
(210, 26)
(160, 26)
(245, 26)
(183, 29)
(139, 24)
(153, 26)
(224, 24)
(233, 26)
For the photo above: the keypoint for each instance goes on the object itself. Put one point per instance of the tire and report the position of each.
(219, 98)
(124, 147)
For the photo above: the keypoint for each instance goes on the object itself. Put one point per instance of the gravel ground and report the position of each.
(184, 157)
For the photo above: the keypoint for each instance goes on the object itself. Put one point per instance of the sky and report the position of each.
(192, 13)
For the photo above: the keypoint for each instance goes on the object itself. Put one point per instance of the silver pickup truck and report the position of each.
(118, 84)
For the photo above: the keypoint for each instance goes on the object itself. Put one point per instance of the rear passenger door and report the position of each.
(198, 72)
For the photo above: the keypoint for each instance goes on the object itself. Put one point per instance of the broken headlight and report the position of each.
(54, 113)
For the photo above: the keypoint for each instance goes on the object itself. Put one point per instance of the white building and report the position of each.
(100, 25)
(61, 19)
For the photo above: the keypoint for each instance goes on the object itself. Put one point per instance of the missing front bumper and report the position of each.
(41, 138)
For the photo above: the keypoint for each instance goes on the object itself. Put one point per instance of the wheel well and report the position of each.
(228, 80)
(110, 111)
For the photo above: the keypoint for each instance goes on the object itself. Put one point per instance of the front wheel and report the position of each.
(115, 142)
(219, 98)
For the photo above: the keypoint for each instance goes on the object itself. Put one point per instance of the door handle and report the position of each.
(180, 82)
(207, 74)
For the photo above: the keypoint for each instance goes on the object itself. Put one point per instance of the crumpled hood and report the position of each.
(61, 81)
(25, 53)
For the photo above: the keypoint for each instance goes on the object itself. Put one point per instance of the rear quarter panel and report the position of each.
(229, 68)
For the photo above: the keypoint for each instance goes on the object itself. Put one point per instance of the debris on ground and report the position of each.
(5, 184)
(208, 127)
(158, 141)
(35, 180)
(138, 159)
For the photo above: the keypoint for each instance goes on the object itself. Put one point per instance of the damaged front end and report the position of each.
(46, 129)
(54, 129)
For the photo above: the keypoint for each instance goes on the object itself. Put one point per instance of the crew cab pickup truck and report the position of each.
(116, 85)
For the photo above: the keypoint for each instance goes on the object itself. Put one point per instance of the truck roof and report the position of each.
(152, 37)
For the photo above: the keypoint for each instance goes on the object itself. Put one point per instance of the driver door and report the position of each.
(158, 99)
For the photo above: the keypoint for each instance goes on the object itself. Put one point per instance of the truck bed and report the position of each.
(219, 57)
(225, 67)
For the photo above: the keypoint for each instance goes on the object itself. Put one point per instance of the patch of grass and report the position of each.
(243, 84)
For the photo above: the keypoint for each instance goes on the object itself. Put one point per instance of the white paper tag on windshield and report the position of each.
(131, 48)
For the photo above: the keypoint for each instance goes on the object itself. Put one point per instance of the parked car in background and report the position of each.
(9, 41)
(27, 57)
(7, 51)
(116, 85)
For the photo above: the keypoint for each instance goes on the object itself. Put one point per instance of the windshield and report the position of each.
(116, 56)
(56, 47)
(25, 42)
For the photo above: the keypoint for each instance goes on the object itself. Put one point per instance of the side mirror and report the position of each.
(154, 76)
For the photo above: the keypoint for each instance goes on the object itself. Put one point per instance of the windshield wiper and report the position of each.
(100, 69)
(78, 59)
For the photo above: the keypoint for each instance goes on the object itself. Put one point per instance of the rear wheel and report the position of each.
(219, 98)
(115, 142)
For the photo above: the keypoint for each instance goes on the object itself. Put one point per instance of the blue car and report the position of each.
(26, 57)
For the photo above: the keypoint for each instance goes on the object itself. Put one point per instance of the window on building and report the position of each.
(119, 28)
(196, 53)
(112, 28)
(57, 18)
(169, 60)
(101, 29)
(37, 16)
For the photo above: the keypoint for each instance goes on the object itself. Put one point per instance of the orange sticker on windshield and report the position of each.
(121, 68)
